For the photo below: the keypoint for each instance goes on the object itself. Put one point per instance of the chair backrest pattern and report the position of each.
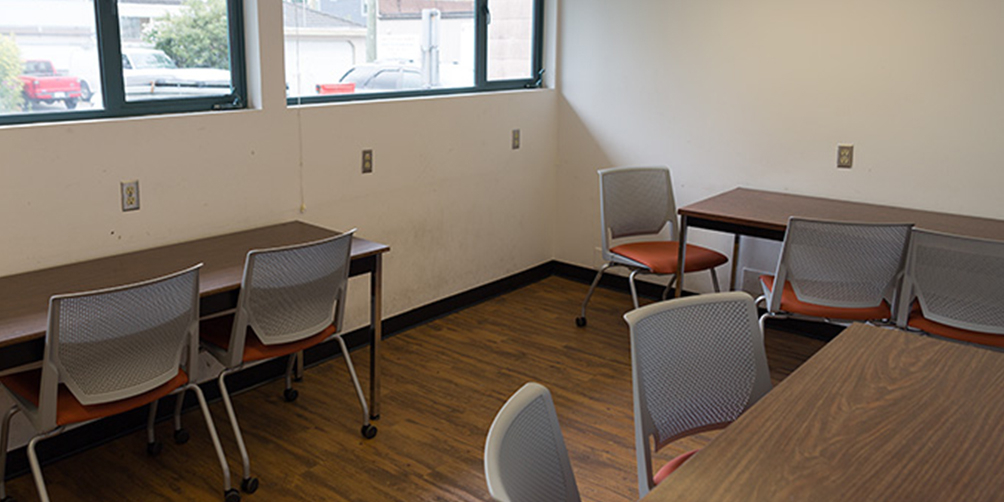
(531, 463)
(113, 344)
(636, 201)
(959, 281)
(698, 365)
(291, 293)
(850, 265)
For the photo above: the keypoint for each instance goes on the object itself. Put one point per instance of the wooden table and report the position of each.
(758, 213)
(875, 415)
(24, 298)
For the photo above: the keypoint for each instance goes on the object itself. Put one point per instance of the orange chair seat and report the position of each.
(217, 332)
(672, 465)
(70, 411)
(661, 257)
(791, 303)
(917, 320)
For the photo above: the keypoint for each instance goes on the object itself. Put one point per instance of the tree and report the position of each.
(196, 37)
(11, 87)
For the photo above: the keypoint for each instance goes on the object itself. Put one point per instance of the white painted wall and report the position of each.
(458, 207)
(758, 94)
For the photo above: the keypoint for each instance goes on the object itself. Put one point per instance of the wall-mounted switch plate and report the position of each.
(367, 161)
(515, 139)
(845, 156)
(130, 195)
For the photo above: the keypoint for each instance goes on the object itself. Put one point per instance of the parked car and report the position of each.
(43, 84)
(395, 75)
(150, 72)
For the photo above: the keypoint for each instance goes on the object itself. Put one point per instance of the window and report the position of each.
(77, 59)
(352, 49)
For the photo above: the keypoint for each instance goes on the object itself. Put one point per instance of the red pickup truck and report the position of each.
(43, 85)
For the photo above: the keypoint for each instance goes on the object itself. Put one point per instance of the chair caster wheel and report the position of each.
(153, 449)
(232, 495)
(249, 485)
(580, 321)
(369, 432)
(181, 436)
(290, 395)
(298, 378)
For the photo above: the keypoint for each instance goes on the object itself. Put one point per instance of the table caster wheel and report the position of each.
(249, 485)
(369, 432)
(181, 436)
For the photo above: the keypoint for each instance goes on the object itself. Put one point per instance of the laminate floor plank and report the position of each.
(443, 382)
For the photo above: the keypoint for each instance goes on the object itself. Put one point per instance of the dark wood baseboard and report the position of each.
(109, 429)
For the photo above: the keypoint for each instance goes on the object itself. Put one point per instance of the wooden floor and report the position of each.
(443, 383)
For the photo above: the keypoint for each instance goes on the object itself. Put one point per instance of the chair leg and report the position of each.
(4, 433)
(581, 320)
(368, 430)
(290, 394)
(298, 376)
(180, 434)
(36, 468)
(634, 292)
(153, 448)
(229, 494)
(768, 315)
(669, 286)
(714, 280)
(247, 480)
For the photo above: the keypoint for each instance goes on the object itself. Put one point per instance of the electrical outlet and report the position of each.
(367, 161)
(515, 139)
(845, 156)
(130, 195)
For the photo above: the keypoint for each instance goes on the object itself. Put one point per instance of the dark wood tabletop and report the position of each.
(24, 298)
(759, 209)
(876, 415)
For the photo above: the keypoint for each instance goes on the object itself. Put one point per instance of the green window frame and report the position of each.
(109, 50)
(481, 81)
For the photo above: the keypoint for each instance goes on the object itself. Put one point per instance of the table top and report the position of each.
(771, 210)
(876, 414)
(24, 298)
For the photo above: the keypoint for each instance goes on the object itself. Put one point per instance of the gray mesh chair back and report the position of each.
(525, 456)
(116, 343)
(959, 281)
(293, 292)
(697, 363)
(635, 201)
(839, 264)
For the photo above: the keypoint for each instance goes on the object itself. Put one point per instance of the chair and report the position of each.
(697, 363)
(525, 456)
(958, 285)
(637, 203)
(291, 298)
(836, 271)
(108, 352)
